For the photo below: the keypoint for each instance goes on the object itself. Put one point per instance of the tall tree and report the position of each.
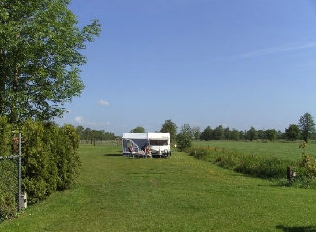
(196, 133)
(271, 134)
(252, 134)
(234, 135)
(40, 46)
(169, 127)
(207, 134)
(307, 126)
(218, 133)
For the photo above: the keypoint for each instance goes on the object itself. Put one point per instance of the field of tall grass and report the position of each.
(181, 193)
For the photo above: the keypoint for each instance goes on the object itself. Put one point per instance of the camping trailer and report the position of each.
(159, 143)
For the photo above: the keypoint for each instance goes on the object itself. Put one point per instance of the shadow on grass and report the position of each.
(296, 228)
(111, 154)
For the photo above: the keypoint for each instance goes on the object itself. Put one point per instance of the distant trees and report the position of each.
(305, 130)
(252, 134)
(293, 132)
(138, 129)
(92, 135)
(196, 133)
(169, 127)
(218, 133)
(206, 134)
(271, 134)
(185, 137)
(234, 135)
(307, 126)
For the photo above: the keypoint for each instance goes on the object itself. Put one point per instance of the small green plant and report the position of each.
(307, 162)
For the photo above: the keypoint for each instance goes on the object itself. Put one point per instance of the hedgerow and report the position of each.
(50, 161)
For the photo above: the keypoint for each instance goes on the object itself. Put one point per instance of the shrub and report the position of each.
(8, 188)
(184, 141)
(68, 161)
(50, 162)
(8, 172)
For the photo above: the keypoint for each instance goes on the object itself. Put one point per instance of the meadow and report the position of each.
(281, 149)
(181, 193)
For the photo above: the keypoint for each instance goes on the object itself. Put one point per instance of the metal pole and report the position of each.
(19, 175)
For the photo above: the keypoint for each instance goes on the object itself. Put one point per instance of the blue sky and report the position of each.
(199, 62)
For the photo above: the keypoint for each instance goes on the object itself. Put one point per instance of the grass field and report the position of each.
(116, 193)
(282, 149)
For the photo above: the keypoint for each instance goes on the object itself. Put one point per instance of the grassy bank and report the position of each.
(115, 193)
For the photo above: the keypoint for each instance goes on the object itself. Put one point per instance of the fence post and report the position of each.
(19, 175)
(289, 174)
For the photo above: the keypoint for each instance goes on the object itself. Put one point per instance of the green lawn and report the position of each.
(116, 193)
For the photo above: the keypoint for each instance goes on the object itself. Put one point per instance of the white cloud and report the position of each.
(103, 103)
(96, 125)
(273, 50)
(268, 51)
(79, 119)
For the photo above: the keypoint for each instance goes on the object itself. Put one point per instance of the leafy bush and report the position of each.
(8, 172)
(8, 188)
(68, 161)
(184, 141)
(50, 161)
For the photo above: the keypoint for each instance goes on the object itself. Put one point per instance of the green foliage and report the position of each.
(184, 138)
(138, 129)
(5, 137)
(40, 45)
(207, 134)
(293, 132)
(68, 161)
(234, 135)
(271, 134)
(8, 172)
(90, 135)
(169, 127)
(307, 126)
(218, 133)
(183, 141)
(252, 134)
(250, 164)
(307, 166)
(8, 188)
(50, 162)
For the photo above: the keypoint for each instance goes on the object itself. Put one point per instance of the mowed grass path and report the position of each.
(116, 193)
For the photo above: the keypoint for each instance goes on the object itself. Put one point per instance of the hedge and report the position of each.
(50, 161)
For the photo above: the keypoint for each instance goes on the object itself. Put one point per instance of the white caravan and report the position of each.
(159, 143)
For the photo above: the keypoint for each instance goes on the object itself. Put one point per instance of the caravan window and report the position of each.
(158, 142)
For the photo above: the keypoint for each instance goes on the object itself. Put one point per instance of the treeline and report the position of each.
(305, 129)
(221, 133)
(50, 161)
(88, 134)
